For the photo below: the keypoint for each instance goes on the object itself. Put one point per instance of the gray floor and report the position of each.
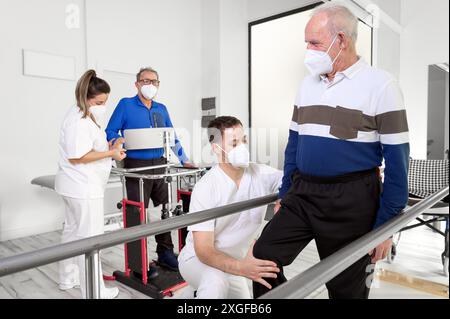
(418, 255)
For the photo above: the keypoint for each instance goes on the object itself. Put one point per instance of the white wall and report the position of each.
(234, 16)
(211, 50)
(260, 9)
(166, 35)
(234, 59)
(122, 36)
(424, 41)
(385, 36)
(225, 56)
(31, 111)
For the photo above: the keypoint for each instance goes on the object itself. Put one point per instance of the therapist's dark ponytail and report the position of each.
(88, 87)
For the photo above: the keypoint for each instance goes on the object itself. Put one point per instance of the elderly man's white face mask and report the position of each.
(319, 62)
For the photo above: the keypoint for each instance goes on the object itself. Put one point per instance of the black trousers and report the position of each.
(333, 211)
(156, 190)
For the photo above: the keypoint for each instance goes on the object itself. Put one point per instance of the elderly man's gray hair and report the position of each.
(341, 19)
(146, 69)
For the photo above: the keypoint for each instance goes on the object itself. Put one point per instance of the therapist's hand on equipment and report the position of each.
(117, 143)
(118, 154)
(381, 251)
(257, 269)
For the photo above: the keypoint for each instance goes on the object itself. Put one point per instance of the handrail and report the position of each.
(308, 281)
(298, 287)
(162, 176)
(12, 264)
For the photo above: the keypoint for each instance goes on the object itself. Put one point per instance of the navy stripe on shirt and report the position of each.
(321, 156)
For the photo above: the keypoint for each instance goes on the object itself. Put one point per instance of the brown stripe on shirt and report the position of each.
(387, 123)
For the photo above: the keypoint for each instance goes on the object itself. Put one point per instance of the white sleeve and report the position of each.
(77, 140)
(272, 178)
(391, 117)
(202, 198)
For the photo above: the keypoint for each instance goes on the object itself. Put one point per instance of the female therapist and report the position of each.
(84, 167)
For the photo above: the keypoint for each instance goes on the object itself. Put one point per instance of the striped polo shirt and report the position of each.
(348, 125)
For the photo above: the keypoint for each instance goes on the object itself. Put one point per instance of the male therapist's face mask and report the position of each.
(98, 111)
(149, 91)
(239, 156)
(319, 62)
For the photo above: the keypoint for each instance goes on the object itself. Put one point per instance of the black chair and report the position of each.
(425, 178)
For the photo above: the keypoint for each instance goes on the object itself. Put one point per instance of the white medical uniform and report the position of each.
(233, 234)
(82, 187)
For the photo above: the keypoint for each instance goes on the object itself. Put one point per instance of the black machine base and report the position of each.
(156, 287)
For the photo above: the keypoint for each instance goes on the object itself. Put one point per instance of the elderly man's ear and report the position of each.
(343, 40)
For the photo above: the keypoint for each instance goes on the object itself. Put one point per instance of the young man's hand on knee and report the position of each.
(257, 269)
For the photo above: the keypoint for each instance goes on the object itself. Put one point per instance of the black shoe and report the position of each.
(168, 259)
(152, 271)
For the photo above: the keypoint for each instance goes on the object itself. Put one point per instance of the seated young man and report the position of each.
(217, 257)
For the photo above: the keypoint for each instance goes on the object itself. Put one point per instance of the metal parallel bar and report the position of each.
(119, 171)
(299, 287)
(12, 264)
(92, 275)
(307, 282)
(161, 176)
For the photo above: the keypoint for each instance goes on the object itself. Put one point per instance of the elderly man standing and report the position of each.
(142, 111)
(348, 117)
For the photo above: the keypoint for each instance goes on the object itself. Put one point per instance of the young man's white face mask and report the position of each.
(319, 62)
(238, 157)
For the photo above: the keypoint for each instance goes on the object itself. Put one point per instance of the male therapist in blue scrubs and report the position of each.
(142, 111)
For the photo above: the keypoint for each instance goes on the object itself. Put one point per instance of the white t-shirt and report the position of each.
(78, 137)
(233, 234)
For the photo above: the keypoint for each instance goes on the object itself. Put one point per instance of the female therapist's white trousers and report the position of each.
(212, 283)
(83, 218)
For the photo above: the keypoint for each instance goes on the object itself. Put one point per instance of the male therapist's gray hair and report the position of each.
(146, 69)
(341, 19)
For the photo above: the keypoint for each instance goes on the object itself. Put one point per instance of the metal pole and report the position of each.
(141, 195)
(124, 186)
(169, 197)
(167, 145)
(92, 275)
(169, 181)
